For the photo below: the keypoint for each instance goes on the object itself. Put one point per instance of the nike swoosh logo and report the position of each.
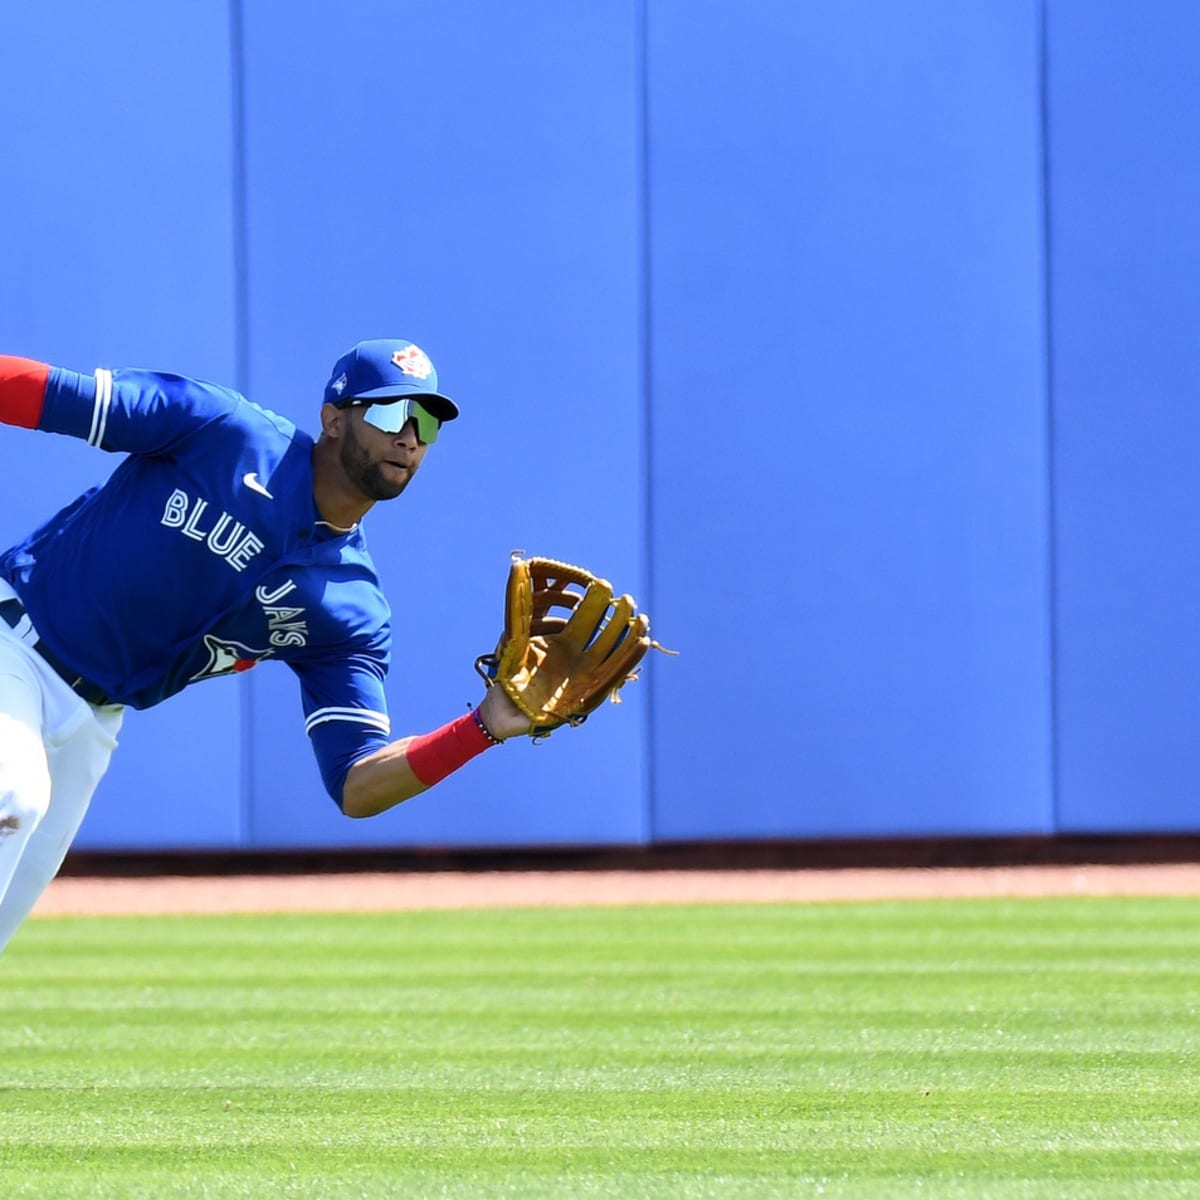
(250, 479)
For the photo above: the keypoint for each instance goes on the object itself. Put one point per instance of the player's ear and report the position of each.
(333, 420)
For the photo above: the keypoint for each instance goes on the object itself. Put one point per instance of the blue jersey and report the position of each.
(203, 555)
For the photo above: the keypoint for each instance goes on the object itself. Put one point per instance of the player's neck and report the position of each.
(338, 501)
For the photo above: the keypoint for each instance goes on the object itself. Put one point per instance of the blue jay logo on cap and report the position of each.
(340, 386)
(412, 360)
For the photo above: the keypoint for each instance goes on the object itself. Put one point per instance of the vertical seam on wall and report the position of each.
(241, 361)
(1048, 384)
(641, 21)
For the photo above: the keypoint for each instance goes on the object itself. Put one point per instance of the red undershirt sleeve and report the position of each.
(435, 755)
(22, 390)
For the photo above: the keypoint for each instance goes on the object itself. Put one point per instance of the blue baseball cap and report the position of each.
(388, 367)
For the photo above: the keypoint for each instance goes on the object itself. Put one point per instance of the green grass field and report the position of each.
(959, 1049)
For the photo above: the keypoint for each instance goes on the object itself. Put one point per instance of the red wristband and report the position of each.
(22, 390)
(433, 756)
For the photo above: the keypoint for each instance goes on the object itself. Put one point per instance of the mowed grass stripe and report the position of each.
(966, 1048)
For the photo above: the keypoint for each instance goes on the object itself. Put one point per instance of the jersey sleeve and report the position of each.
(345, 713)
(126, 411)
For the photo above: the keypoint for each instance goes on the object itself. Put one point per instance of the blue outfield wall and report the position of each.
(1123, 117)
(117, 218)
(848, 406)
(480, 196)
(856, 341)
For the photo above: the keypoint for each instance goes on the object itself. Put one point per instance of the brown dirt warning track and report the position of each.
(389, 891)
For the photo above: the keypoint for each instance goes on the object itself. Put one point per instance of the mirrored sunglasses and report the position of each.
(393, 415)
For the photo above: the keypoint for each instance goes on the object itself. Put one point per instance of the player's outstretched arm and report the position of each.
(411, 765)
(22, 390)
(380, 781)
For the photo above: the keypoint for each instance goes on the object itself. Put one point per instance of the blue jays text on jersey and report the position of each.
(203, 554)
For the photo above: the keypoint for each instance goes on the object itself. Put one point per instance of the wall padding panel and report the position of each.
(465, 176)
(116, 206)
(1124, 116)
(848, 458)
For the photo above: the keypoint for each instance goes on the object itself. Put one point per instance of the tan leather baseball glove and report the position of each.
(567, 644)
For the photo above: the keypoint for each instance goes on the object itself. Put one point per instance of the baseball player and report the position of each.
(226, 536)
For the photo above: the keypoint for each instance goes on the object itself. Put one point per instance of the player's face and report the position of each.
(379, 464)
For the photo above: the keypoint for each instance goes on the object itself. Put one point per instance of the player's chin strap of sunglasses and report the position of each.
(13, 614)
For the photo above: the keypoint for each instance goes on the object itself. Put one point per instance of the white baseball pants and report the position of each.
(54, 750)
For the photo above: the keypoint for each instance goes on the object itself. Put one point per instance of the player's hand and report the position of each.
(502, 717)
